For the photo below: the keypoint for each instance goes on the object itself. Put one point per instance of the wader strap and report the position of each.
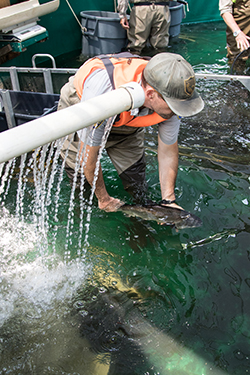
(109, 65)
(184, 2)
(152, 3)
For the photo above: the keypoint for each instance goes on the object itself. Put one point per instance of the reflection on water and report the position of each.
(140, 298)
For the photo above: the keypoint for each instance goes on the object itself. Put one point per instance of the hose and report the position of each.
(246, 52)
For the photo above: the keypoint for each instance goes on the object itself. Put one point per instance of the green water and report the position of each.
(136, 297)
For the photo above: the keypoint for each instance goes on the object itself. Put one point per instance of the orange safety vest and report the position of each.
(125, 70)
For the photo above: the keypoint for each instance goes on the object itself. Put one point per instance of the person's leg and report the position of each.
(70, 148)
(159, 35)
(139, 28)
(126, 152)
(68, 95)
(134, 181)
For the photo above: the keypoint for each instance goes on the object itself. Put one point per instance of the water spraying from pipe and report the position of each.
(21, 139)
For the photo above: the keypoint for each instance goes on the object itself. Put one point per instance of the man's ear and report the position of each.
(149, 95)
(149, 92)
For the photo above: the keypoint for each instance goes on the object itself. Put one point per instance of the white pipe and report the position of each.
(24, 138)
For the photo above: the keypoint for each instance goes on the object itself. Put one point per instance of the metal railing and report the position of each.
(5, 102)
(244, 80)
(49, 72)
(11, 77)
(46, 73)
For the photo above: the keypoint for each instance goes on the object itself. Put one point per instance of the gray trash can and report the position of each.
(177, 14)
(104, 33)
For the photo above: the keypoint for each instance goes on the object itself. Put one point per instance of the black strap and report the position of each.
(160, 2)
(152, 3)
(109, 65)
(166, 201)
(110, 68)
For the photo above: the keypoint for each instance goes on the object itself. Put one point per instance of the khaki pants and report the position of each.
(125, 147)
(149, 22)
(241, 13)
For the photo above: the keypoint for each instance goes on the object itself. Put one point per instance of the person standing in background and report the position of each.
(148, 20)
(236, 15)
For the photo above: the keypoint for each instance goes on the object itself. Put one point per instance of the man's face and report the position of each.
(158, 105)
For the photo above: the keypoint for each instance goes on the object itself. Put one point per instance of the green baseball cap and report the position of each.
(173, 77)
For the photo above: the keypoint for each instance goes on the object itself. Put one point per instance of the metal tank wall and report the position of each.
(202, 11)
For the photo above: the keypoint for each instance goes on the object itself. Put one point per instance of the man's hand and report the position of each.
(110, 204)
(124, 23)
(174, 205)
(242, 41)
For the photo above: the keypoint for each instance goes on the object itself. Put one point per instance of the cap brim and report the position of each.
(186, 107)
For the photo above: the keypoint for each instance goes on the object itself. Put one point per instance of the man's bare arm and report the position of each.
(105, 201)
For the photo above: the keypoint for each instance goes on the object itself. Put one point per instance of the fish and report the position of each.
(164, 215)
(122, 337)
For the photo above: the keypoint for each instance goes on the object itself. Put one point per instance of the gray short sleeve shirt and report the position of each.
(99, 83)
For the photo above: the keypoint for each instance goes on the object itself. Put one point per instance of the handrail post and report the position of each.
(43, 55)
(14, 78)
(48, 81)
(8, 109)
